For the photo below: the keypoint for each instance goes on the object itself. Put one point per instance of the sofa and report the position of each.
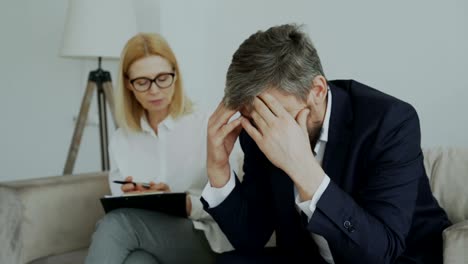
(51, 220)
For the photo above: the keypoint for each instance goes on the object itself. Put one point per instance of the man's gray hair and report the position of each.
(282, 57)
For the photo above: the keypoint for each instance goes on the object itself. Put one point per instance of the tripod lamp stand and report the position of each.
(96, 29)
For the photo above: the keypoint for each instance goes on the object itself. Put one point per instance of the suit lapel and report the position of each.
(339, 134)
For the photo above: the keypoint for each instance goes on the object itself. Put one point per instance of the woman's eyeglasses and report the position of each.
(162, 81)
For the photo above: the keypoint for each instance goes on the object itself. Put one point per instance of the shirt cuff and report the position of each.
(215, 196)
(308, 207)
(197, 207)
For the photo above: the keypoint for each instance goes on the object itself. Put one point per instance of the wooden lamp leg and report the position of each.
(79, 127)
(108, 90)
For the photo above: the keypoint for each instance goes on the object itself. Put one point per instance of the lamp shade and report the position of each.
(98, 28)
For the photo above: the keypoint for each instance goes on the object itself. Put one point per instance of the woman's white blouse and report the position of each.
(175, 156)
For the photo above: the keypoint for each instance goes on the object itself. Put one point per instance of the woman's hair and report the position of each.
(128, 110)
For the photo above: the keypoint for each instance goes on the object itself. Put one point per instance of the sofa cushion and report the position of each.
(456, 243)
(447, 169)
(74, 257)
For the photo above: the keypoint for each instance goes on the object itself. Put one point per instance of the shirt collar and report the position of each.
(168, 123)
(326, 122)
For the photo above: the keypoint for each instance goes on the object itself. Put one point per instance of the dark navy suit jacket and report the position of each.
(378, 207)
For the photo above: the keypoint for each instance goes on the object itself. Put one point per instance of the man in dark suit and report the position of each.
(334, 168)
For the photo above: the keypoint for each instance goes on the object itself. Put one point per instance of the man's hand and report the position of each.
(221, 138)
(285, 142)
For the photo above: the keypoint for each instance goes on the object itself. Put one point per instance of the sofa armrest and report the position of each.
(58, 214)
(10, 211)
(456, 243)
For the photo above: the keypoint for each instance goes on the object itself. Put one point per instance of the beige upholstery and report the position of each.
(10, 212)
(448, 173)
(456, 243)
(51, 220)
(447, 169)
(57, 214)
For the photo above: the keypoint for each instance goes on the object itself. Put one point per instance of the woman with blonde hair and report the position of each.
(161, 140)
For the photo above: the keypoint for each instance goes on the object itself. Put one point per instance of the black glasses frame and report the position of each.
(172, 74)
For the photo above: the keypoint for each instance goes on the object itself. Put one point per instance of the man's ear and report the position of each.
(318, 91)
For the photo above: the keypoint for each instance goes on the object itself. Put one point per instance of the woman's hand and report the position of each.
(138, 188)
(159, 187)
(129, 187)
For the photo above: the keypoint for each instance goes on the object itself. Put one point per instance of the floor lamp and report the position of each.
(96, 29)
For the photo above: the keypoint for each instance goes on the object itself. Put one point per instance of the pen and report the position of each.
(146, 185)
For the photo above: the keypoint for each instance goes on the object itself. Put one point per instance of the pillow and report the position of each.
(447, 169)
(456, 243)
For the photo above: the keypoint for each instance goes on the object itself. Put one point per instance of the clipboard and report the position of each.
(169, 203)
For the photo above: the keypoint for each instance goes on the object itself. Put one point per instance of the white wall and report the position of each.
(415, 50)
(41, 92)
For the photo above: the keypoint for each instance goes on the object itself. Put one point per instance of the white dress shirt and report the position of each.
(175, 156)
(215, 196)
